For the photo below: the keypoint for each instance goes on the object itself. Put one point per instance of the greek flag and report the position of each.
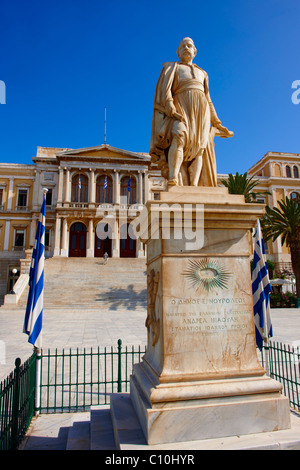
(105, 183)
(79, 182)
(128, 185)
(34, 309)
(261, 289)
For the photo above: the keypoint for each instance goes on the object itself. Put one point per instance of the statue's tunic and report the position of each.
(187, 87)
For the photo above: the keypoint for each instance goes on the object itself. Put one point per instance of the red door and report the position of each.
(102, 244)
(127, 244)
(77, 244)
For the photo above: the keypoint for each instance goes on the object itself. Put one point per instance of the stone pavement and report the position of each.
(72, 328)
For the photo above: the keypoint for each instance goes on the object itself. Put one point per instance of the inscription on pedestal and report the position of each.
(201, 320)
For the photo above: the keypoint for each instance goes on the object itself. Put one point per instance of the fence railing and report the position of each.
(17, 394)
(74, 380)
(282, 362)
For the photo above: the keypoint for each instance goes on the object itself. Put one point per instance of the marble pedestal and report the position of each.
(200, 377)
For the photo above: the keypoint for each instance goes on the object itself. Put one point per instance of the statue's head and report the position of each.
(186, 50)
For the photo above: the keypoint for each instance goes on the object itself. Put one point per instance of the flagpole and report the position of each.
(38, 360)
(105, 125)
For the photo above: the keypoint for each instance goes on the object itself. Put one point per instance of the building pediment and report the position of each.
(103, 153)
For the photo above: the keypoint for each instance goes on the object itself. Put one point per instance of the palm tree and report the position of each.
(241, 184)
(284, 222)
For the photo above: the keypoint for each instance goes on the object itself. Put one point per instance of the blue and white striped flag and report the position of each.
(129, 184)
(79, 182)
(261, 289)
(34, 309)
(105, 182)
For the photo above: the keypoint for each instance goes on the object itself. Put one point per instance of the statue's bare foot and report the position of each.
(173, 182)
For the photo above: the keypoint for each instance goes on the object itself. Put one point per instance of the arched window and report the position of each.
(80, 188)
(104, 189)
(295, 196)
(295, 171)
(288, 171)
(277, 170)
(128, 189)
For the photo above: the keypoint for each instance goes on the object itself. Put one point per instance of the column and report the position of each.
(67, 185)
(10, 194)
(6, 235)
(57, 237)
(32, 232)
(140, 189)
(60, 186)
(115, 243)
(116, 187)
(64, 241)
(146, 188)
(36, 188)
(90, 240)
(92, 187)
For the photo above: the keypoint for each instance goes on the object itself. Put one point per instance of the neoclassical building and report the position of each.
(91, 192)
(94, 193)
(279, 174)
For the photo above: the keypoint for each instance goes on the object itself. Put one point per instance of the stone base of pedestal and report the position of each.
(128, 435)
(188, 411)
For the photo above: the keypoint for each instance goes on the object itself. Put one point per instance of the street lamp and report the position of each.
(14, 272)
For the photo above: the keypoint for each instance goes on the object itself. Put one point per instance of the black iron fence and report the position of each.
(17, 395)
(74, 380)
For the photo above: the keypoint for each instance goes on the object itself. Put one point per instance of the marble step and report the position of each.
(95, 434)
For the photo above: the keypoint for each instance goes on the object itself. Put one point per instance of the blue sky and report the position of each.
(64, 61)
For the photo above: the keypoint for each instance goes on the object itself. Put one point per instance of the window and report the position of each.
(156, 196)
(104, 189)
(22, 199)
(295, 171)
(19, 239)
(288, 171)
(128, 190)
(80, 188)
(47, 239)
(295, 197)
(49, 197)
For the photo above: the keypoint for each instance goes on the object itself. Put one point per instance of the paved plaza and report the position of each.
(71, 328)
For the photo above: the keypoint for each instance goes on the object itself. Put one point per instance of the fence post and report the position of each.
(119, 366)
(265, 350)
(37, 402)
(15, 405)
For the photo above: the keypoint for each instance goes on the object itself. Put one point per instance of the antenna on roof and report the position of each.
(105, 125)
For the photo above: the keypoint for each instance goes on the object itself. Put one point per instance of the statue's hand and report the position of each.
(223, 131)
(170, 109)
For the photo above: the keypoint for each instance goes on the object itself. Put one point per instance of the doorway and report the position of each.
(127, 243)
(103, 245)
(77, 244)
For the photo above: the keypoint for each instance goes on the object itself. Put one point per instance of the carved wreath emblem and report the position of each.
(207, 274)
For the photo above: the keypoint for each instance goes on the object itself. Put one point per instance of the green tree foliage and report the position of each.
(284, 221)
(241, 184)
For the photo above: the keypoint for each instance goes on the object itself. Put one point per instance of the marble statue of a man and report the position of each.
(185, 122)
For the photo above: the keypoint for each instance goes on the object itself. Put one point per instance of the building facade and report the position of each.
(279, 174)
(92, 196)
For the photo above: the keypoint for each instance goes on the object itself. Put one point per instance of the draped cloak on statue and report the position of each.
(193, 122)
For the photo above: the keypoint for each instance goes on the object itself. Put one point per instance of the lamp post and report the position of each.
(14, 272)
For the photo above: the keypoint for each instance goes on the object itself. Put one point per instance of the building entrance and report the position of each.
(127, 243)
(102, 244)
(77, 245)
